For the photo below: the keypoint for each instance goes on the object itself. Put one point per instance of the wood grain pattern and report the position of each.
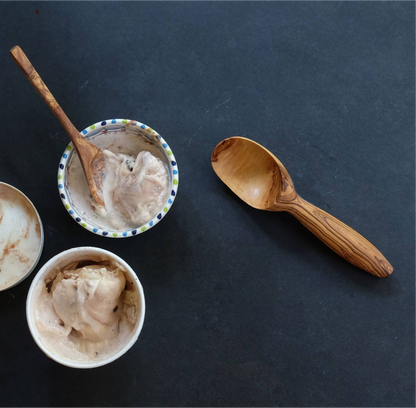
(261, 180)
(91, 156)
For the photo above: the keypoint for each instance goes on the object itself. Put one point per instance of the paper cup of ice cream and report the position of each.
(21, 236)
(85, 307)
(140, 185)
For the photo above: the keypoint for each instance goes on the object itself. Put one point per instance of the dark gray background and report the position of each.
(243, 307)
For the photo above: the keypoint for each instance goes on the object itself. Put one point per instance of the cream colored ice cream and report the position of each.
(21, 236)
(136, 184)
(134, 189)
(85, 313)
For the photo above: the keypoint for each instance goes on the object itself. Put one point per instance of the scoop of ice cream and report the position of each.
(135, 188)
(84, 313)
(87, 300)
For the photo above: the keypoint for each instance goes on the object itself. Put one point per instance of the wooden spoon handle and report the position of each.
(341, 238)
(24, 64)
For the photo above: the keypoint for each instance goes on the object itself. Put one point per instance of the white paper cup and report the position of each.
(61, 260)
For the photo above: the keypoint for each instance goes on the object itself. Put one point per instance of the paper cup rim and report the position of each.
(32, 324)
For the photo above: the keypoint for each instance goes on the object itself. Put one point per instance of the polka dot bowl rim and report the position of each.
(148, 133)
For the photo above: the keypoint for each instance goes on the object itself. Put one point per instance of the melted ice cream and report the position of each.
(20, 236)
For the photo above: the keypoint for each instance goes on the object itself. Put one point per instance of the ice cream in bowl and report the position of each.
(139, 186)
(85, 307)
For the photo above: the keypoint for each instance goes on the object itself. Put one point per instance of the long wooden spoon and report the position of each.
(259, 179)
(91, 157)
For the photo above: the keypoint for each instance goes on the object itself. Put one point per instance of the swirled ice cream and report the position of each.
(135, 187)
(85, 313)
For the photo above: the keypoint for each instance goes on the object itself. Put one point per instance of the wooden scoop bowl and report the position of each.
(259, 179)
(91, 157)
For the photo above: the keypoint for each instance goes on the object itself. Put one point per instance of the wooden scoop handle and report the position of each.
(341, 238)
(25, 65)
(91, 157)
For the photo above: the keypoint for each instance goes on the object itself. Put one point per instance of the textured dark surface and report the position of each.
(243, 307)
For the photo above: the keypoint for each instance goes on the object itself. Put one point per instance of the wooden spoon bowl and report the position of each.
(258, 177)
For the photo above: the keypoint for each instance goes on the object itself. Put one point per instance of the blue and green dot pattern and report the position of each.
(94, 130)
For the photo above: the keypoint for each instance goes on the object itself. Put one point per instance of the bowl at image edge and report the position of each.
(148, 134)
(15, 192)
(56, 263)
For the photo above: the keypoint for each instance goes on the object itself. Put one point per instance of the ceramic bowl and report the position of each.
(51, 268)
(106, 128)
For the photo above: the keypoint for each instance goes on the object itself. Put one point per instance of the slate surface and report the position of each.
(244, 308)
